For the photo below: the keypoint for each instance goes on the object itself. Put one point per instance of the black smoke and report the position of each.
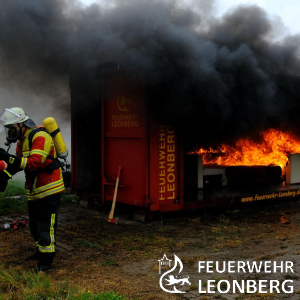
(216, 79)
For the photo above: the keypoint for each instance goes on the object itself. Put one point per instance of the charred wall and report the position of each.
(86, 130)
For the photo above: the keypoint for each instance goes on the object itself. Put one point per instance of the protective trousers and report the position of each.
(42, 223)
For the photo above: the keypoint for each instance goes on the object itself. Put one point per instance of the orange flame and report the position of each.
(273, 150)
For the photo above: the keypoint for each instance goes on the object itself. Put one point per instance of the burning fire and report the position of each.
(273, 150)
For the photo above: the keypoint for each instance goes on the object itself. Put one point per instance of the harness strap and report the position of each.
(54, 132)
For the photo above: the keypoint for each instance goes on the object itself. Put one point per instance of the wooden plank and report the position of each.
(63, 250)
(64, 246)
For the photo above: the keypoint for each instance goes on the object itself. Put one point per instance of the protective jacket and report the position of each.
(39, 183)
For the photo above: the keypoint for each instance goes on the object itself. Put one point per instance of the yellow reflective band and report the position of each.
(7, 173)
(51, 247)
(26, 154)
(45, 194)
(23, 163)
(47, 249)
(43, 153)
(52, 231)
(47, 187)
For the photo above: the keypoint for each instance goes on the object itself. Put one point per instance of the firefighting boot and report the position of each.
(43, 268)
(34, 256)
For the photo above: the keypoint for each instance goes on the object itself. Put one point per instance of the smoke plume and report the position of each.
(217, 79)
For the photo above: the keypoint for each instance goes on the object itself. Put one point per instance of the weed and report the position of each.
(229, 244)
(223, 219)
(88, 244)
(194, 287)
(193, 259)
(109, 263)
(179, 245)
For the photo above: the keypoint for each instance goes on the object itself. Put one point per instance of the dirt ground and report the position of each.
(124, 257)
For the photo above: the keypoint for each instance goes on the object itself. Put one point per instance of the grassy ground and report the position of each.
(121, 261)
(13, 200)
(9, 200)
(17, 283)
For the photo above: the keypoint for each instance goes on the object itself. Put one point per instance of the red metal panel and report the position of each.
(125, 140)
(165, 161)
(74, 173)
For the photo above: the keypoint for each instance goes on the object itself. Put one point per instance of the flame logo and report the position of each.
(172, 280)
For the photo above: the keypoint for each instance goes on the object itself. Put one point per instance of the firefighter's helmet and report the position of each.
(15, 115)
(11, 116)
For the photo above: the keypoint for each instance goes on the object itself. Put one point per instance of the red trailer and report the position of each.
(112, 127)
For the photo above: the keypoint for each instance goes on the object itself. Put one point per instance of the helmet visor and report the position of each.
(8, 116)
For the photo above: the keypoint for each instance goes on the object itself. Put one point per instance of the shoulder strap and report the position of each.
(32, 133)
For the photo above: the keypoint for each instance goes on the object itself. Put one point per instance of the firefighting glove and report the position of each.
(11, 160)
(4, 177)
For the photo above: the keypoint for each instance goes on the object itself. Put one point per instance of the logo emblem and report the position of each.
(124, 103)
(172, 280)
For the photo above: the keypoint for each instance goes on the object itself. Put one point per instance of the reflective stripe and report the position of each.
(51, 247)
(52, 231)
(45, 249)
(47, 187)
(23, 163)
(7, 173)
(47, 193)
(13, 112)
(41, 152)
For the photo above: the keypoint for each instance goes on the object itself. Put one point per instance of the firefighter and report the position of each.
(36, 155)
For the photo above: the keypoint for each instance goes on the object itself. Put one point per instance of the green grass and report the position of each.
(69, 199)
(31, 286)
(8, 202)
(88, 244)
(109, 263)
(14, 188)
(194, 287)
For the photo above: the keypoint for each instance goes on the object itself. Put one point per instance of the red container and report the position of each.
(112, 128)
(148, 152)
